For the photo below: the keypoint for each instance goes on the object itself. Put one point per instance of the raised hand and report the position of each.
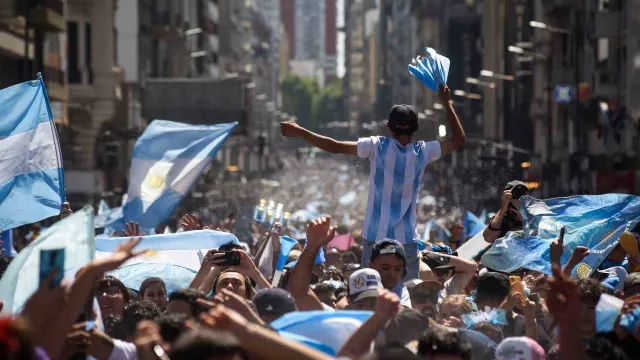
(445, 94)
(387, 305)
(563, 299)
(320, 232)
(190, 223)
(37, 310)
(557, 248)
(291, 129)
(247, 266)
(132, 229)
(148, 341)
(579, 254)
(66, 210)
(223, 318)
(235, 303)
(505, 200)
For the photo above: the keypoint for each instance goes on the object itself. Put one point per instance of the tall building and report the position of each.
(288, 19)
(331, 39)
(310, 33)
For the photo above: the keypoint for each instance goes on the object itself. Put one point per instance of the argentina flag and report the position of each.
(167, 159)
(31, 172)
(592, 221)
(175, 258)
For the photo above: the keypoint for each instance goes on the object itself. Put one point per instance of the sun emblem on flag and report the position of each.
(358, 282)
(150, 255)
(155, 181)
(583, 271)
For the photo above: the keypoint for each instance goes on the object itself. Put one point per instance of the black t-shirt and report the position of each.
(509, 223)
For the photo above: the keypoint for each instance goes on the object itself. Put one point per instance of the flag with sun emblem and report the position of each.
(175, 258)
(167, 159)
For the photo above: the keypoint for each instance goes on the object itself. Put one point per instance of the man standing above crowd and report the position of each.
(397, 166)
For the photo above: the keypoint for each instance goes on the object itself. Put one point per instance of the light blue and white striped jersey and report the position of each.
(394, 180)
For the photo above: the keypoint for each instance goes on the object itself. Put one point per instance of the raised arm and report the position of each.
(458, 137)
(319, 234)
(292, 129)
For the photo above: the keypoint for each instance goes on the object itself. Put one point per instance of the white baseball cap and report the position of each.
(364, 283)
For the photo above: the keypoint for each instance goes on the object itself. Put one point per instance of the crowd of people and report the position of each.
(381, 297)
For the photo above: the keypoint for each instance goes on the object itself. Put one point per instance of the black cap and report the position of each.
(403, 119)
(517, 188)
(387, 247)
(437, 262)
(274, 302)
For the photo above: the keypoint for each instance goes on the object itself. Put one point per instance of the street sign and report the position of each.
(563, 94)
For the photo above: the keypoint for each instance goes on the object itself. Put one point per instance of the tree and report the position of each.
(297, 98)
(328, 104)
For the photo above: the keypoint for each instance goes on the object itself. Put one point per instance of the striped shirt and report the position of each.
(394, 180)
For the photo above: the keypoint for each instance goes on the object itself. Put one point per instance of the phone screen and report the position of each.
(51, 260)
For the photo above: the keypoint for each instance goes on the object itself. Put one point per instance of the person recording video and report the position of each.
(508, 218)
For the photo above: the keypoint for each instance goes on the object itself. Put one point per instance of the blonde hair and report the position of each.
(460, 303)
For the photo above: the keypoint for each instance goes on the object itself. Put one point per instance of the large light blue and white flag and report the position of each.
(329, 330)
(167, 159)
(593, 221)
(175, 258)
(75, 234)
(31, 172)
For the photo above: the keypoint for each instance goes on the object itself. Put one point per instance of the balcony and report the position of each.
(48, 16)
(54, 79)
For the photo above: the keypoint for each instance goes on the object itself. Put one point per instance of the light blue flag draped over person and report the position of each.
(592, 221)
(167, 159)
(31, 172)
(328, 329)
(175, 258)
(472, 225)
(75, 234)
(432, 70)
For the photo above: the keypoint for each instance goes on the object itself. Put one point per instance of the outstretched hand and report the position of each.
(291, 129)
(132, 229)
(190, 223)
(320, 232)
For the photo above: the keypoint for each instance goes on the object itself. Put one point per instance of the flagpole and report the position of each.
(54, 132)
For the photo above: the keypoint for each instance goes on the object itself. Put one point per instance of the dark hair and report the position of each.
(392, 352)
(248, 284)
(357, 251)
(492, 286)
(5, 261)
(150, 281)
(172, 326)
(230, 246)
(632, 280)
(437, 341)
(113, 327)
(349, 255)
(489, 330)
(189, 296)
(109, 281)
(590, 291)
(205, 344)
(601, 347)
(322, 288)
(136, 311)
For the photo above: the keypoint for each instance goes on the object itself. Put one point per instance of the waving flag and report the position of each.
(472, 225)
(31, 173)
(593, 221)
(331, 329)
(73, 234)
(175, 258)
(432, 70)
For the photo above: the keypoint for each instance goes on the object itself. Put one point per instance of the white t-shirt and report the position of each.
(123, 351)
(394, 180)
(403, 293)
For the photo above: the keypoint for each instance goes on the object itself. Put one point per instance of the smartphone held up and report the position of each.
(52, 260)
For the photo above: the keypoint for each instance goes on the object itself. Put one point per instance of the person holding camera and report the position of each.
(508, 218)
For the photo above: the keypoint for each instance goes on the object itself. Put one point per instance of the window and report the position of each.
(87, 52)
(73, 52)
